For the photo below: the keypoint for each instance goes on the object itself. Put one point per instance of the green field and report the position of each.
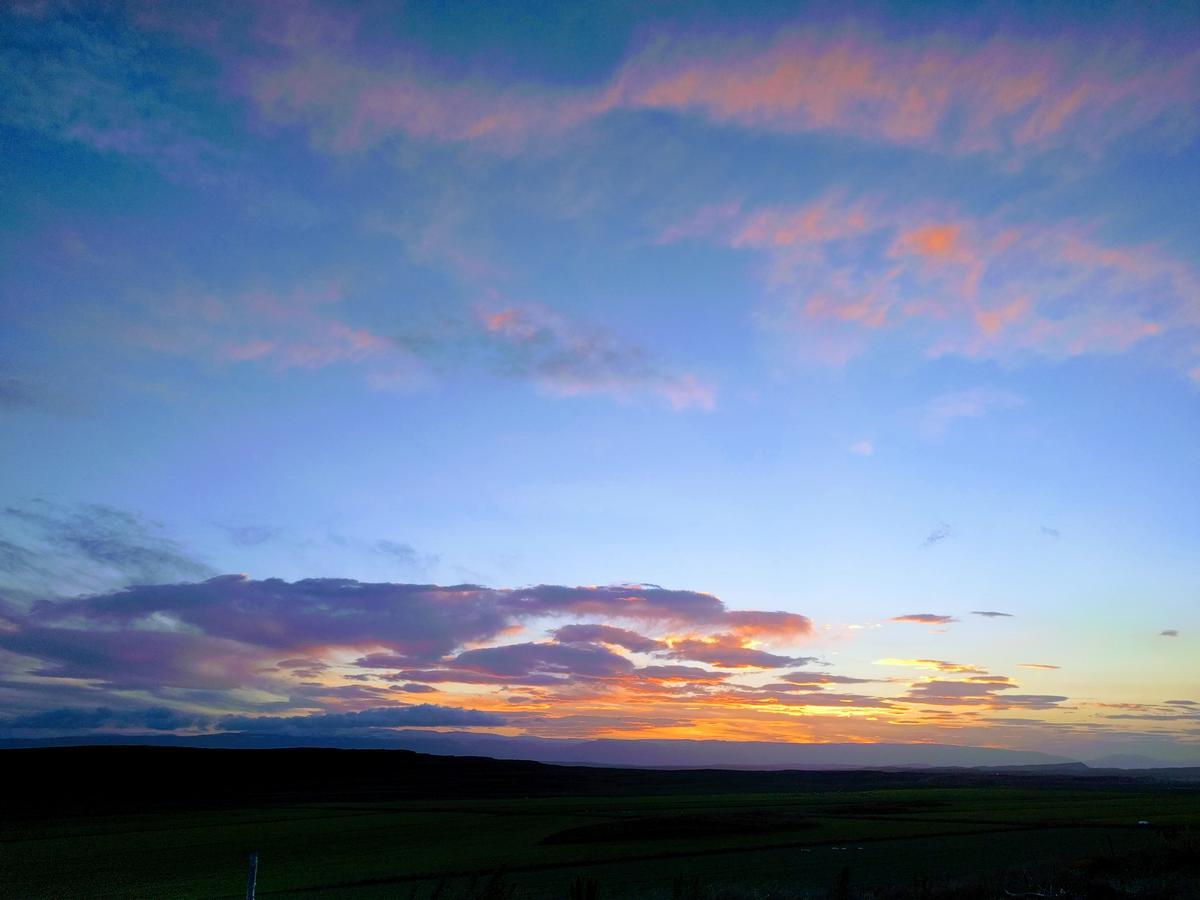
(629, 845)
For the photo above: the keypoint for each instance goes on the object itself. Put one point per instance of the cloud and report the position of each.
(939, 534)
(93, 543)
(279, 329)
(799, 696)
(809, 678)
(312, 326)
(1050, 532)
(749, 624)
(566, 358)
(18, 560)
(607, 634)
(425, 715)
(980, 690)
(729, 651)
(519, 660)
(232, 631)
(974, 403)
(690, 674)
(844, 275)
(1037, 666)
(405, 554)
(1169, 632)
(135, 658)
(155, 718)
(251, 535)
(862, 448)
(1003, 96)
(940, 665)
(77, 80)
(991, 614)
(451, 675)
(293, 617)
(924, 618)
(1007, 96)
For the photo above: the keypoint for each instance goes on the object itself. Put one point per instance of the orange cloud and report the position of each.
(748, 624)
(730, 651)
(992, 321)
(940, 665)
(840, 273)
(931, 240)
(925, 618)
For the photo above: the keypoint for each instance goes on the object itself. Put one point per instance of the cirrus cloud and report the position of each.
(842, 276)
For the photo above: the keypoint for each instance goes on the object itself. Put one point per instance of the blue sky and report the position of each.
(848, 315)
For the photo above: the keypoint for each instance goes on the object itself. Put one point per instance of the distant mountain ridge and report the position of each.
(646, 753)
(682, 753)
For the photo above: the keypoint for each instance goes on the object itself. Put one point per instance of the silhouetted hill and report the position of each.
(106, 779)
(610, 752)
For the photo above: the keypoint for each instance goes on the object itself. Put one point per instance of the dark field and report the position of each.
(154, 822)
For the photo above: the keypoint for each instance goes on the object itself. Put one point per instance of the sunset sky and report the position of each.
(745, 371)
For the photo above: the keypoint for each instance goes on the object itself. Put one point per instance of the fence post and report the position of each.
(252, 876)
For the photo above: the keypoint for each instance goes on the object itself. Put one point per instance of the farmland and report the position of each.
(144, 822)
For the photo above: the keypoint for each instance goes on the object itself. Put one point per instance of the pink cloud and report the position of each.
(842, 274)
(1007, 96)
(331, 74)
(309, 328)
(280, 329)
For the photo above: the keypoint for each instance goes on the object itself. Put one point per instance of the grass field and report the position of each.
(660, 844)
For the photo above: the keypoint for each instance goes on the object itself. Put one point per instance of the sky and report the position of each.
(789, 372)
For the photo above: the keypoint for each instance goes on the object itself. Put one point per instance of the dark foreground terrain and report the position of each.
(173, 822)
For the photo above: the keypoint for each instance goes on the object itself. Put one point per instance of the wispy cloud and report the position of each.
(940, 665)
(316, 324)
(991, 614)
(18, 393)
(843, 275)
(567, 358)
(973, 403)
(1007, 97)
(110, 92)
(70, 719)
(940, 533)
(989, 692)
(281, 330)
(251, 535)
(88, 547)
(405, 555)
(424, 715)
(925, 618)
